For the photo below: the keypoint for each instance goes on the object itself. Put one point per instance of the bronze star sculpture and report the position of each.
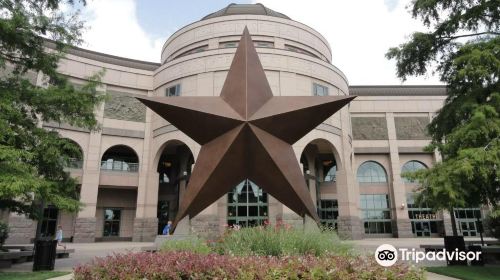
(246, 133)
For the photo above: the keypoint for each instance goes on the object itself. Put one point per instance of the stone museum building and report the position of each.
(134, 171)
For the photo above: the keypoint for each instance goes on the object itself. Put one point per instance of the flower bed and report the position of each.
(189, 265)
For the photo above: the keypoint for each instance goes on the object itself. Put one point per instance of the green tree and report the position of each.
(32, 159)
(463, 42)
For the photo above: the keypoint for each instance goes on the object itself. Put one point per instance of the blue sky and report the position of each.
(359, 31)
(154, 15)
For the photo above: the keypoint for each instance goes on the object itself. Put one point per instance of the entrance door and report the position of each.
(247, 205)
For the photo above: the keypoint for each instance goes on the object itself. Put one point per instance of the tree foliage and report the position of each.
(463, 41)
(32, 158)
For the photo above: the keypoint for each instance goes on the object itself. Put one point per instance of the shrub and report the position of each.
(493, 223)
(194, 245)
(188, 265)
(280, 241)
(4, 232)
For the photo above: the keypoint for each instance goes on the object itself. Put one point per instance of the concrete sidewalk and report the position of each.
(84, 253)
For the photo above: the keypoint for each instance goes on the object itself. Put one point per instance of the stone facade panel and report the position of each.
(369, 128)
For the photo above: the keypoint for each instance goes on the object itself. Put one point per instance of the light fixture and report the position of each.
(402, 206)
(185, 173)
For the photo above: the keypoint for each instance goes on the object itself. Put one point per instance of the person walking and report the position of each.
(59, 237)
(167, 228)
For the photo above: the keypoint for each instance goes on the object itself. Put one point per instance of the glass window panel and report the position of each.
(263, 211)
(242, 210)
(371, 172)
(231, 211)
(253, 211)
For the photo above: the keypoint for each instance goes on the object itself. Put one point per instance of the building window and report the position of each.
(424, 221)
(371, 172)
(111, 222)
(247, 205)
(376, 213)
(263, 44)
(466, 219)
(49, 222)
(173, 90)
(329, 169)
(227, 45)
(193, 51)
(319, 90)
(411, 166)
(299, 50)
(328, 212)
(120, 158)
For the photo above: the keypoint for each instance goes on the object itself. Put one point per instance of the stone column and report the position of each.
(397, 188)
(146, 221)
(348, 222)
(85, 222)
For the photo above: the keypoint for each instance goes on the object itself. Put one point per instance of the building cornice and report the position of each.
(398, 90)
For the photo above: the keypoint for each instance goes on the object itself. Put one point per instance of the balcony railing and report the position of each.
(74, 163)
(120, 166)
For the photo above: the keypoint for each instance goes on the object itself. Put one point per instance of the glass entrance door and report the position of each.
(247, 205)
(422, 229)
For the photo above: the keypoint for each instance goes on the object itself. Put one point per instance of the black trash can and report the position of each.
(450, 244)
(477, 249)
(45, 255)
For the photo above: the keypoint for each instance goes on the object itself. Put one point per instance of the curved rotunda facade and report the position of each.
(134, 171)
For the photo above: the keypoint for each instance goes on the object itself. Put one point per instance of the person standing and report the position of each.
(167, 228)
(59, 237)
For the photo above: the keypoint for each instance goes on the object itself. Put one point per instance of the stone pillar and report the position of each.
(397, 188)
(146, 220)
(448, 228)
(85, 222)
(348, 222)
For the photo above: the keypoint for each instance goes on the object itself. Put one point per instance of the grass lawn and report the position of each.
(468, 272)
(42, 275)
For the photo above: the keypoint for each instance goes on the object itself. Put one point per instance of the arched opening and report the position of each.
(73, 154)
(320, 165)
(412, 166)
(174, 168)
(72, 158)
(371, 172)
(120, 158)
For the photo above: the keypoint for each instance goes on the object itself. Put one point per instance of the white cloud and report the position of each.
(113, 28)
(359, 32)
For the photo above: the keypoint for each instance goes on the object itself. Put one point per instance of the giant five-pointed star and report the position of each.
(246, 133)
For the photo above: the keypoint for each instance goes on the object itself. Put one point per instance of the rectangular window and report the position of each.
(376, 213)
(173, 91)
(328, 212)
(263, 44)
(49, 221)
(112, 219)
(319, 90)
(226, 45)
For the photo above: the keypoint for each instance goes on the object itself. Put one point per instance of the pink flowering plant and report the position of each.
(189, 265)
